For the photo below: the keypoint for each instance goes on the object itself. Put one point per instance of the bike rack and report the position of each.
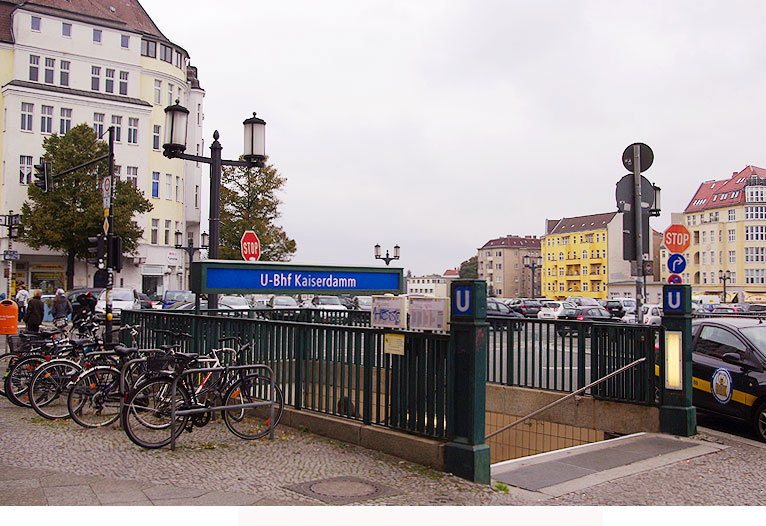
(199, 410)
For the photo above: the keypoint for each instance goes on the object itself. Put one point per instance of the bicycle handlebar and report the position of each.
(174, 334)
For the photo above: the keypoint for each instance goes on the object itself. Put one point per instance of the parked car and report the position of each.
(327, 303)
(729, 369)
(652, 314)
(234, 302)
(146, 303)
(550, 310)
(122, 299)
(618, 306)
(630, 316)
(172, 296)
(590, 313)
(283, 302)
(363, 303)
(347, 301)
(189, 305)
(498, 309)
(731, 308)
(527, 307)
(583, 301)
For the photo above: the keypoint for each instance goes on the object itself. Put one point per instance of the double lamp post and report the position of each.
(176, 122)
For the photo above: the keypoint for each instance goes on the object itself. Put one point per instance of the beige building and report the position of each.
(432, 285)
(501, 265)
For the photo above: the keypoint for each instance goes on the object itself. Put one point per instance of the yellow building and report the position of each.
(581, 255)
(727, 223)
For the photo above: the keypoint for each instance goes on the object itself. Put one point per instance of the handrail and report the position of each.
(567, 397)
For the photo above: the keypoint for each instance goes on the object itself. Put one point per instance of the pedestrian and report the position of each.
(86, 306)
(60, 309)
(35, 311)
(22, 297)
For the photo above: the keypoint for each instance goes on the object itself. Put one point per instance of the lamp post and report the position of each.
(533, 263)
(724, 276)
(387, 259)
(176, 120)
(190, 248)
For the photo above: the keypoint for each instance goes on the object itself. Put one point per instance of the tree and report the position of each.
(470, 268)
(71, 211)
(249, 202)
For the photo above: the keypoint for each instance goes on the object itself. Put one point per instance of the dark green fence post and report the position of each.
(467, 455)
(368, 361)
(300, 353)
(580, 328)
(677, 415)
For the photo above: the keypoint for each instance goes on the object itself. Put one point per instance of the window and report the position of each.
(196, 196)
(123, 82)
(168, 186)
(36, 20)
(155, 228)
(755, 233)
(117, 123)
(65, 124)
(732, 235)
(50, 64)
(27, 110)
(166, 53)
(732, 215)
(170, 94)
(98, 124)
(704, 258)
(167, 231)
(64, 73)
(95, 74)
(716, 341)
(158, 92)
(118, 171)
(179, 60)
(704, 236)
(109, 82)
(132, 130)
(34, 67)
(66, 29)
(585, 254)
(97, 36)
(156, 137)
(133, 176)
(149, 48)
(25, 169)
(732, 256)
(125, 41)
(46, 119)
(156, 184)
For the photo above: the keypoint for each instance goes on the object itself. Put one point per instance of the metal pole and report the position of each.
(110, 231)
(9, 219)
(533, 280)
(215, 207)
(637, 213)
(725, 279)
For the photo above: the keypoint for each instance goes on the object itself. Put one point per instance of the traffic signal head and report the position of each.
(96, 250)
(114, 255)
(42, 176)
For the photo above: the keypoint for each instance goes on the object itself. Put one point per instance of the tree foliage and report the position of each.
(71, 211)
(249, 202)
(470, 268)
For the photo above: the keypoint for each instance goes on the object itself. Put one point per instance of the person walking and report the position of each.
(60, 309)
(22, 297)
(35, 311)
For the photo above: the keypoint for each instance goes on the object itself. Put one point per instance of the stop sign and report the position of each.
(251, 247)
(676, 238)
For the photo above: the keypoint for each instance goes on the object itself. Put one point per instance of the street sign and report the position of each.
(10, 255)
(624, 194)
(676, 263)
(250, 246)
(674, 279)
(673, 298)
(106, 226)
(676, 239)
(462, 303)
(647, 157)
(106, 188)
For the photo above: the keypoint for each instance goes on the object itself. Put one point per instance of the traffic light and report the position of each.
(42, 176)
(96, 249)
(114, 255)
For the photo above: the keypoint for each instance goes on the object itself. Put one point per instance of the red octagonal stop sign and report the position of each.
(676, 239)
(251, 247)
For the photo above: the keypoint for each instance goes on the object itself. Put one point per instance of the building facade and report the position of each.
(501, 265)
(67, 62)
(727, 222)
(432, 285)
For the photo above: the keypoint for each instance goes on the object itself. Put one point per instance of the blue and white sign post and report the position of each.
(467, 454)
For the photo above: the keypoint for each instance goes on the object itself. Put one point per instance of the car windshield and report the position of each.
(629, 303)
(551, 305)
(364, 301)
(235, 300)
(285, 301)
(179, 295)
(757, 336)
(329, 300)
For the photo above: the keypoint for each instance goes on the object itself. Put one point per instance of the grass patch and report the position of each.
(500, 486)
(425, 471)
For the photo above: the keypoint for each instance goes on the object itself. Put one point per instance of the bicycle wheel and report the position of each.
(94, 398)
(17, 381)
(49, 387)
(146, 414)
(5, 367)
(251, 422)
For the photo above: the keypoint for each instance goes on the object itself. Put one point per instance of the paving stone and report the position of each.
(18, 484)
(164, 492)
(24, 497)
(15, 473)
(71, 496)
(222, 498)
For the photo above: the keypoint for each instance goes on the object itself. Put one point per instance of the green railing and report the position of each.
(330, 367)
(568, 355)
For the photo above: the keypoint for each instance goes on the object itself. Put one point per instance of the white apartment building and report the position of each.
(104, 63)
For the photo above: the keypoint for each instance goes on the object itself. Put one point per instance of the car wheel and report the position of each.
(759, 422)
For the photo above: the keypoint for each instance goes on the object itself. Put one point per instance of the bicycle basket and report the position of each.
(14, 343)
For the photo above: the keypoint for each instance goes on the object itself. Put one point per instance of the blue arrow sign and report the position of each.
(676, 263)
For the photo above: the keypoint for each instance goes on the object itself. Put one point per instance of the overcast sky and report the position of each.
(438, 125)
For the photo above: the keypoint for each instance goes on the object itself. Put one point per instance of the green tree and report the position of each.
(249, 202)
(71, 211)
(470, 268)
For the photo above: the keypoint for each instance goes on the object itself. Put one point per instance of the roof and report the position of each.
(726, 192)
(579, 223)
(451, 273)
(121, 14)
(511, 241)
(77, 92)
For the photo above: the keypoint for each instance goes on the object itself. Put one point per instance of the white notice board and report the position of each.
(429, 314)
(388, 312)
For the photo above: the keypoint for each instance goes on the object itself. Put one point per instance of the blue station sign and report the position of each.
(237, 277)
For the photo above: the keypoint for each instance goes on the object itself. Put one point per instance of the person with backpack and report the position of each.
(22, 297)
(60, 309)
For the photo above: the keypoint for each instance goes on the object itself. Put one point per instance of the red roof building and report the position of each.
(501, 264)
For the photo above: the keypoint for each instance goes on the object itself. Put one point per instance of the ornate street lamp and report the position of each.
(387, 259)
(533, 263)
(724, 276)
(189, 248)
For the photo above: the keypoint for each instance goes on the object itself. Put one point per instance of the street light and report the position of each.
(724, 276)
(190, 248)
(176, 121)
(533, 264)
(387, 258)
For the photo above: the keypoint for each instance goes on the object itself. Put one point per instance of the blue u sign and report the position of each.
(674, 300)
(462, 303)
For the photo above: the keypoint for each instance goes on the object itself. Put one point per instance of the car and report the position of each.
(172, 296)
(363, 303)
(731, 308)
(550, 310)
(146, 303)
(527, 307)
(652, 314)
(729, 369)
(498, 309)
(189, 305)
(122, 299)
(588, 313)
(618, 306)
(283, 302)
(347, 301)
(327, 303)
(583, 301)
(235, 302)
(630, 315)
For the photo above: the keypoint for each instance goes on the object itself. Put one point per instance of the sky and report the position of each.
(439, 125)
